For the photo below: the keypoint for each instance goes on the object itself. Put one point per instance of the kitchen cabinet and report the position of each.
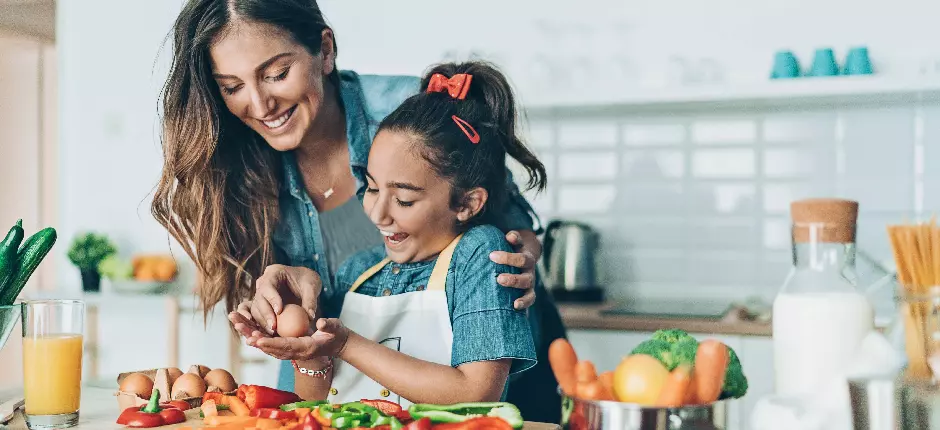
(605, 348)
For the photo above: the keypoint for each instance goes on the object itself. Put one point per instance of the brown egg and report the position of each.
(189, 383)
(173, 373)
(222, 379)
(293, 321)
(137, 383)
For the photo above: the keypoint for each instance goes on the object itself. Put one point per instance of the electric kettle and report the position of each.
(569, 261)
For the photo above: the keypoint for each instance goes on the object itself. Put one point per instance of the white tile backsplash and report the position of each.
(693, 203)
(732, 131)
(653, 134)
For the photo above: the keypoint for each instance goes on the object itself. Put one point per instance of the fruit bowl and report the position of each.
(581, 414)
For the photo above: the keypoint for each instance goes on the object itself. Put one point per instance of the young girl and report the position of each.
(423, 319)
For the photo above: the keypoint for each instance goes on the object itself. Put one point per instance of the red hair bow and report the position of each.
(456, 85)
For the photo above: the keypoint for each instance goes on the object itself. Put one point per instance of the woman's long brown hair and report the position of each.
(218, 192)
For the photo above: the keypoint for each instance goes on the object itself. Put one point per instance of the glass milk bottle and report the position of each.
(819, 317)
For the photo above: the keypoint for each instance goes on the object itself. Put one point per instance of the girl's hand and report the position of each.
(328, 341)
(529, 251)
(245, 324)
(279, 281)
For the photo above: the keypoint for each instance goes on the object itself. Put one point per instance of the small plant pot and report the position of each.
(91, 280)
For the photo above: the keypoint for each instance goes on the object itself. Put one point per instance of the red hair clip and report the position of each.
(467, 129)
(456, 85)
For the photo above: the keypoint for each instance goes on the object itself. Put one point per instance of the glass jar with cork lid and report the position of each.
(819, 316)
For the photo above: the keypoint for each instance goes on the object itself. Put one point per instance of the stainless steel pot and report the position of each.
(579, 414)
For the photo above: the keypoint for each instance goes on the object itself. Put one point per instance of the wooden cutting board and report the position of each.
(18, 423)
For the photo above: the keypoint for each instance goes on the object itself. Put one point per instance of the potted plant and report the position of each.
(86, 253)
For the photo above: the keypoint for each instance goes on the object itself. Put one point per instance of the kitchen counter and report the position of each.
(99, 410)
(592, 316)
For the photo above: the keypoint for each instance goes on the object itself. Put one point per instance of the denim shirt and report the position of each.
(485, 324)
(366, 100)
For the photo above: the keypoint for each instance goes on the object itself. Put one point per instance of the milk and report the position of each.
(815, 336)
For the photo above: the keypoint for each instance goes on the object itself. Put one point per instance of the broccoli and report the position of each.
(671, 355)
(674, 347)
(735, 382)
(672, 335)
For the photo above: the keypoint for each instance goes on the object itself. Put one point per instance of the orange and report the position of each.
(639, 379)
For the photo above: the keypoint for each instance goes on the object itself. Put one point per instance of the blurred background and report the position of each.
(658, 121)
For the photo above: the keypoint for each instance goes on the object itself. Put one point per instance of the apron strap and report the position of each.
(368, 274)
(439, 273)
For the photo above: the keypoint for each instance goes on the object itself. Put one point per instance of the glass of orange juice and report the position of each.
(52, 362)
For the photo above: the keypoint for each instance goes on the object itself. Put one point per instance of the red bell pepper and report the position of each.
(151, 414)
(257, 396)
(479, 423)
(309, 423)
(178, 404)
(390, 409)
(274, 414)
(422, 424)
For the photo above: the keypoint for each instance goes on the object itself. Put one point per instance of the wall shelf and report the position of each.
(830, 92)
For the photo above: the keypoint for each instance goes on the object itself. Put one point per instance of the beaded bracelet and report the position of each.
(321, 373)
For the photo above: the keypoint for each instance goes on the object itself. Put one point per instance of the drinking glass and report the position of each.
(52, 362)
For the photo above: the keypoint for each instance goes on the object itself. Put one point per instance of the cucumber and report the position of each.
(28, 258)
(8, 249)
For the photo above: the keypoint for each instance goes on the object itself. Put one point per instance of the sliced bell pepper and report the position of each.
(305, 404)
(478, 423)
(151, 414)
(422, 424)
(257, 396)
(309, 423)
(274, 414)
(459, 412)
(178, 404)
(315, 413)
(388, 408)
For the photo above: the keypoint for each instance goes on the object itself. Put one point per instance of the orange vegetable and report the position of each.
(607, 381)
(238, 407)
(676, 387)
(220, 420)
(593, 390)
(711, 362)
(301, 412)
(209, 409)
(323, 421)
(562, 358)
(585, 372)
(266, 424)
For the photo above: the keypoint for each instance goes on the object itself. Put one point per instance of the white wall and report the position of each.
(109, 157)
(110, 76)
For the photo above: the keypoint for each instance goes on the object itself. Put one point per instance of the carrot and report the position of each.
(674, 391)
(265, 423)
(238, 407)
(220, 420)
(301, 412)
(711, 362)
(607, 380)
(208, 408)
(585, 372)
(562, 359)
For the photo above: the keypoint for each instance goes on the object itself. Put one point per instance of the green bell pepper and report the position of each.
(463, 411)
(308, 405)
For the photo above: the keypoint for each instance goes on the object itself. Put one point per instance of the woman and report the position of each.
(265, 146)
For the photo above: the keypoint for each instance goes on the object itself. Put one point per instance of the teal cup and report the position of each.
(785, 66)
(824, 63)
(857, 62)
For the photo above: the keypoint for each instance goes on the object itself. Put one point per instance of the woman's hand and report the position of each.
(529, 251)
(245, 324)
(277, 282)
(328, 341)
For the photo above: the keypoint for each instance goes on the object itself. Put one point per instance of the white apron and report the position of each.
(415, 323)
